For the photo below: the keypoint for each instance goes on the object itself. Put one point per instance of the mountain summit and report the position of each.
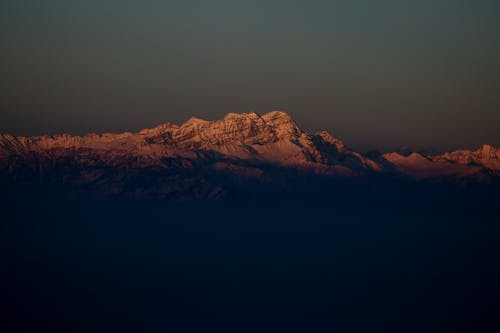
(177, 160)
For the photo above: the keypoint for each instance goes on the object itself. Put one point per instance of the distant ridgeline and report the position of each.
(238, 155)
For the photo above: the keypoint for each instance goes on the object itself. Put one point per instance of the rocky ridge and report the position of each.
(198, 157)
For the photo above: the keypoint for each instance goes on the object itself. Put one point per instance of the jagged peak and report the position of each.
(409, 156)
(233, 115)
(412, 158)
(487, 149)
(484, 152)
(392, 154)
(157, 129)
(416, 155)
(195, 121)
(276, 114)
(284, 125)
(327, 136)
(331, 139)
(273, 117)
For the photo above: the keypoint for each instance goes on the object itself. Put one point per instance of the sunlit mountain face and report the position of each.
(247, 224)
(240, 155)
(147, 185)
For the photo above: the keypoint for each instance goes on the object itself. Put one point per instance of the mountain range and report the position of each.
(213, 159)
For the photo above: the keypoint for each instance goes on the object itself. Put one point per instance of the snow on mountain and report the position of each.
(479, 165)
(273, 137)
(422, 167)
(487, 156)
(171, 159)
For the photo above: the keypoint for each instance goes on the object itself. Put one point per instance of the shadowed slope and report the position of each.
(208, 159)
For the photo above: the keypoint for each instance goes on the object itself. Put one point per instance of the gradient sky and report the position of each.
(377, 74)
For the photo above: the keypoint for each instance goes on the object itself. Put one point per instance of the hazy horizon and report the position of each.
(248, 224)
(377, 75)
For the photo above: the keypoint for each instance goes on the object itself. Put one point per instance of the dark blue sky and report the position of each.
(377, 74)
